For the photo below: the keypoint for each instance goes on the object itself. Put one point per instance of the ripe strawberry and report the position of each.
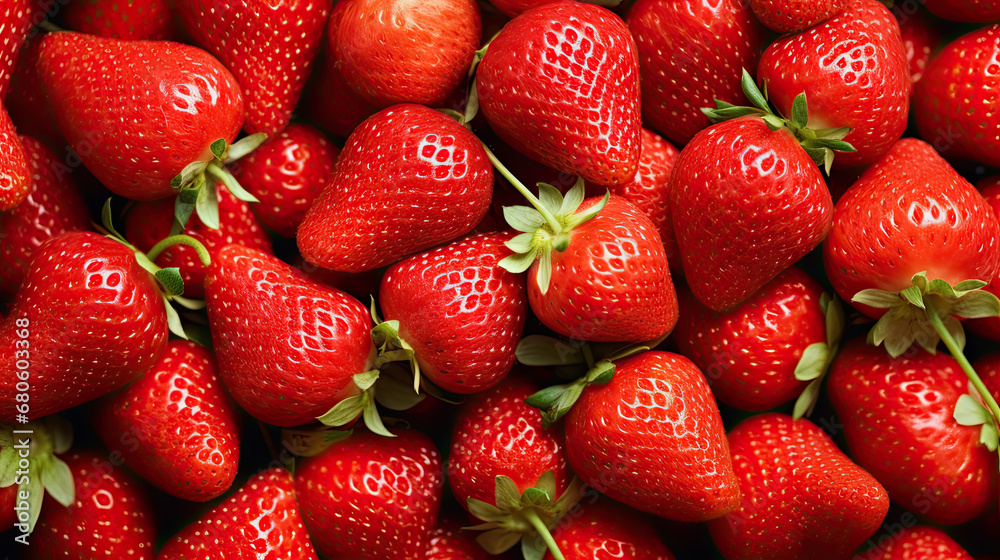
(15, 21)
(111, 514)
(797, 15)
(977, 11)
(560, 83)
(54, 206)
(287, 346)
(921, 542)
(802, 498)
(989, 327)
(898, 417)
(261, 520)
(394, 51)
(690, 54)
(371, 497)
(920, 34)
(26, 102)
(238, 32)
(449, 542)
(652, 438)
(15, 175)
(460, 312)
(138, 112)
(604, 530)
(286, 174)
(402, 158)
(853, 71)
(123, 19)
(175, 426)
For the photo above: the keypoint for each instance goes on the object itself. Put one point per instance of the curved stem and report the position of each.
(531, 516)
(549, 218)
(180, 240)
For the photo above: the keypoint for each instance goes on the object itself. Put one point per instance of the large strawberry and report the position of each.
(604, 530)
(921, 542)
(690, 53)
(404, 159)
(15, 21)
(560, 83)
(371, 497)
(261, 520)
(268, 46)
(175, 426)
(653, 439)
(854, 73)
(15, 175)
(123, 19)
(801, 497)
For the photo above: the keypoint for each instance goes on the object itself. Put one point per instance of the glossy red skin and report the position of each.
(286, 174)
(899, 425)
(977, 11)
(148, 223)
(658, 427)
(691, 52)
(111, 514)
(449, 542)
(175, 426)
(802, 498)
(371, 497)
(287, 346)
(989, 327)
(123, 19)
(959, 79)
(54, 206)
(612, 284)
(396, 51)
(8, 500)
(497, 433)
(796, 15)
(26, 101)
(402, 158)
(461, 312)
(261, 520)
(560, 84)
(85, 298)
(749, 354)
(268, 46)
(909, 212)
(15, 174)
(921, 542)
(604, 530)
(854, 72)
(746, 203)
(15, 20)
(921, 37)
(138, 112)
(988, 368)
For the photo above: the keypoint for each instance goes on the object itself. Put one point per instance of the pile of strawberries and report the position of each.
(448, 279)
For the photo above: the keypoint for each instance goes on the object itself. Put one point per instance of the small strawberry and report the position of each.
(793, 16)
(921, 37)
(15, 175)
(402, 158)
(802, 498)
(560, 83)
(977, 11)
(123, 19)
(604, 530)
(261, 520)
(15, 21)
(920, 542)
(371, 497)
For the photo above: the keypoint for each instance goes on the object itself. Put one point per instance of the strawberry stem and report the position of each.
(549, 218)
(531, 516)
(180, 240)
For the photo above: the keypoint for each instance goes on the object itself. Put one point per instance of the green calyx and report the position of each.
(817, 357)
(526, 517)
(28, 459)
(971, 411)
(197, 182)
(821, 145)
(363, 404)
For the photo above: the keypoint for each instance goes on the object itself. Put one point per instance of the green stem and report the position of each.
(531, 516)
(549, 218)
(180, 240)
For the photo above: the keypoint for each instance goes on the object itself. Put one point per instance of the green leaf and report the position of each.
(969, 285)
(827, 161)
(498, 541)
(219, 148)
(8, 466)
(914, 296)
(188, 303)
(207, 207)
(879, 299)
(344, 412)
(601, 373)
(729, 113)
(969, 412)
(800, 112)
(988, 437)
(807, 400)
(223, 174)
(173, 319)
(242, 147)
(518, 263)
(394, 390)
(372, 419)
(485, 511)
(536, 496)
(58, 481)
(171, 280)
(523, 218)
(533, 547)
(543, 275)
(813, 362)
(471, 105)
(546, 398)
(976, 304)
(773, 122)
(547, 482)
(366, 380)
(752, 92)
(506, 495)
(835, 321)
(832, 133)
(588, 214)
(550, 197)
(521, 243)
(106, 220)
(309, 442)
(573, 199)
(545, 351)
(182, 213)
(36, 492)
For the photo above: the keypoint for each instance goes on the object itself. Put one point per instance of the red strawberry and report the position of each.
(394, 51)
(796, 15)
(15, 21)
(15, 175)
(123, 19)
(175, 426)
(54, 206)
(239, 33)
(111, 514)
(604, 530)
(802, 498)
(449, 542)
(652, 438)
(921, 36)
(286, 174)
(917, 543)
(560, 83)
(978, 11)
(261, 520)
(898, 417)
(371, 497)
(27, 104)
(853, 71)
(690, 53)
(403, 158)
(138, 112)
(989, 327)
(287, 346)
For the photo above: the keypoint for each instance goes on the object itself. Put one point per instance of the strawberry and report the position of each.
(762, 353)
(286, 174)
(393, 51)
(27, 105)
(175, 426)
(604, 530)
(54, 206)
(853, 70)
(370, 497)
(977, 11)
(238, 32)
(560, 83)
(15, 175)
(898, 418)
(690, 53)
(15, 20)
(989, 327)
(801, 496)
(404, 157)
(449, 542)
(921, 37)
(921, 542)
(111, 514)
(261, 520)
(653, 439)
(797, 15)
(287, 346)
(123, 19)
